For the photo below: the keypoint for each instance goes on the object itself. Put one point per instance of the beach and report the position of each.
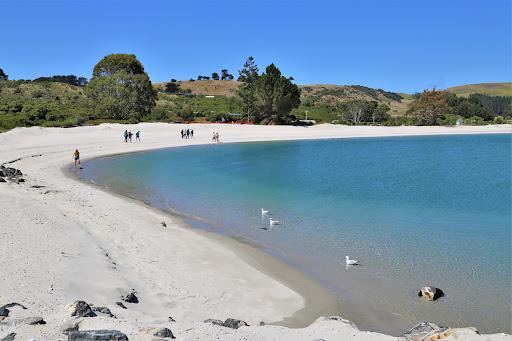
(64, 240)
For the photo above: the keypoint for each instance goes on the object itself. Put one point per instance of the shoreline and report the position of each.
(56, 144)
(318, 301)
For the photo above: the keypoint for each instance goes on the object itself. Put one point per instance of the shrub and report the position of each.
(499, 120)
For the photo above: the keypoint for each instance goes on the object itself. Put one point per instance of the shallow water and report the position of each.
(415, 210)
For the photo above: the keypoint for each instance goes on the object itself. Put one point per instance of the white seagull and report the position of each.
(351, 261)
(264, 211)
(274, 222)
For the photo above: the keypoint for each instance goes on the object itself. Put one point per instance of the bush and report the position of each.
(476, 120)
(499, 120)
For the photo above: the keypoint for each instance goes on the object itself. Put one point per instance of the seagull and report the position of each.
(264, 211)
(351, 261)
(274, 222)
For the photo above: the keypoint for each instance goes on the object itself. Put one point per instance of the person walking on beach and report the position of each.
(130, 136)
(126, 136)
(182, 133)
(191, 133)
(137, 136)
(214, 137)
(76, 155)
(188, 133)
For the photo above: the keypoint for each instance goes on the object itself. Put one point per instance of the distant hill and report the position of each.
(493, 89)
(207, 87)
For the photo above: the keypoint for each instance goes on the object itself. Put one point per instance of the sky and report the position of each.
(402, 46)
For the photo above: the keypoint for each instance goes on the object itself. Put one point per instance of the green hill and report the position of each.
(492, 89)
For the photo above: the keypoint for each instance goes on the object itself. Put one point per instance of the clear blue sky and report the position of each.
(404, 46)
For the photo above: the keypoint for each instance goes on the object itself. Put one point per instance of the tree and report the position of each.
(172, 87)
(120, 89)
(247, 91)
(226, 75)
(3, 76)
(249, 73)
(356, 110)
(429, 106)
(380, 114)
(215, 76)
(276, 96)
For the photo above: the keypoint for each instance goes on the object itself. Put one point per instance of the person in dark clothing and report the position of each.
(182, 133)
(126, 136)
(130, 135)
(191, 133)
(188, 133)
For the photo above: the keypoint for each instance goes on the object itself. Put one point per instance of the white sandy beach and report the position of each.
(71, 241)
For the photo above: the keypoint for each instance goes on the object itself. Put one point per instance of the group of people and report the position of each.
(128, 136)
(215, 137)
(187, 133)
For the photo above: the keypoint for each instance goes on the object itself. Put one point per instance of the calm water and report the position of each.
(415, 211)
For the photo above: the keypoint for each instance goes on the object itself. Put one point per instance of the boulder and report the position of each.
(103, 335)
(2, 180)
(81, 309)
(70, 326)
(235, 324)
(130, 298)
(163, 224)
(164, 332)
(430, 293)
(103, 310)
(4, 312)
(214, 321)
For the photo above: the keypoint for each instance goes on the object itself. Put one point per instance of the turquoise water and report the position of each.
(414, 210)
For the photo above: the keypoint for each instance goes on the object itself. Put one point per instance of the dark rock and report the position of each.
(103, 335)
(81, 309)
(8, 337)
(2, 180)
(171, 319)
(4, 312)
(430, 293)
(164, 332)
(213, 321)
(31, 320)
(103, 310)
(130, 298)
(11, 172)
(37, 186)
(2, 172)
(262, 324)
(235, 324)
(163, 224)
(14, 304)
(421, 330)
(121, 305)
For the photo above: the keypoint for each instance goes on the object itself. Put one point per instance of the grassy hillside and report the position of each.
(24, 103)
(492, 89)
(207, 87)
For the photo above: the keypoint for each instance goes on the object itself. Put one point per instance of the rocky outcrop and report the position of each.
(81, 309)
(430, 293)
(103, 335)
(164, 332)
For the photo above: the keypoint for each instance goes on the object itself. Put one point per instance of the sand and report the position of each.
(71, 241)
